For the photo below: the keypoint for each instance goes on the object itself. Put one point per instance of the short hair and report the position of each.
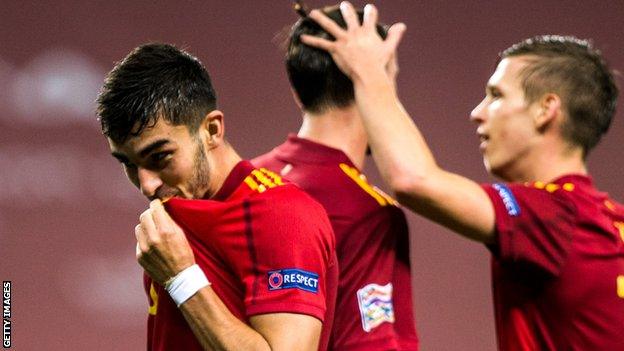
(154, 81)
(574, 70)
(314, 76)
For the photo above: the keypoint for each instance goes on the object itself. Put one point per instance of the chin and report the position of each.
(492, 169)
(487, 165)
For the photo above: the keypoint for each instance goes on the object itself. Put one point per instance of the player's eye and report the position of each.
(127, 164)
(495, 93)
(160, 159)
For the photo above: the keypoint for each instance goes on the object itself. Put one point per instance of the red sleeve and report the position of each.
(534, 227)
(292, 243)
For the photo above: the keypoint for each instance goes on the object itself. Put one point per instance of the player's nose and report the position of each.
(477, 114)
(149, 182)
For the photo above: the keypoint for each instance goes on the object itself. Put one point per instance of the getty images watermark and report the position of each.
(6, 314)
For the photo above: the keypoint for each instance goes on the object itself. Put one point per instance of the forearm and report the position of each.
(399, 149)
(216, 328)
(407, 164)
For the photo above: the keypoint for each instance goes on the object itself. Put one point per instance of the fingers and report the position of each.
(317, 42)
(141, 238)
(371, 15)
(327, 23)
(148, 228)
(395, 34)
(161, 218)
(349, 15)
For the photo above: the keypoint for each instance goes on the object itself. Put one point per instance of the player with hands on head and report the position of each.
(267, 247)
(374, 309)
(547, 104)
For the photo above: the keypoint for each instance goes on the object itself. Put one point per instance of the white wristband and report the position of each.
(186, 283)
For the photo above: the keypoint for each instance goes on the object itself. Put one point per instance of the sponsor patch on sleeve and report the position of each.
(293, 278)
(511, 205)
(375, 302)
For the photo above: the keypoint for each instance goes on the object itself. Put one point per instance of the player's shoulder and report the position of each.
(284, 210)
(537, 190)
(575, 191)
(290, 198)
(614, 206)
(542, 198)
(268, 188)
(361, 187)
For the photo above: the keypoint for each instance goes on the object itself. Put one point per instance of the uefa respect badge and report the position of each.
(292, 278)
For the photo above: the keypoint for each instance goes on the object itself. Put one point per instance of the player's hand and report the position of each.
(162, 249)
(358, 49)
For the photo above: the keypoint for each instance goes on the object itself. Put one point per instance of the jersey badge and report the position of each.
(293, 279)
(513, 209)
(375, 302)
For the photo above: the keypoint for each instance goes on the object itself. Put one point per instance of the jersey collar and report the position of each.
(308, 151)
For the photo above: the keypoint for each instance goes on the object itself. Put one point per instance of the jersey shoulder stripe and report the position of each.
(259, 180)
(360, 179)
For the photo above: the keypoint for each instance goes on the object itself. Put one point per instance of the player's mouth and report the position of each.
(165, 194)
(483, 138)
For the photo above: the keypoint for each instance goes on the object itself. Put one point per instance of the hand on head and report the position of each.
(358, 49)
(162, 248)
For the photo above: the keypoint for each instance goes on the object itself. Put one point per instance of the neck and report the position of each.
(220, 163)
(339, 128)
(548, 166)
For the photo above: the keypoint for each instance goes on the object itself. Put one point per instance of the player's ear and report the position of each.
(296, 98)
(549, 109)
(212, 129)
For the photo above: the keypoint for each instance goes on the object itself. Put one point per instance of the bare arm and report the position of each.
(163, 251)
(217, 329)
(399, 149)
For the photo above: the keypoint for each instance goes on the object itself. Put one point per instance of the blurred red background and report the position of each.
(67, 213)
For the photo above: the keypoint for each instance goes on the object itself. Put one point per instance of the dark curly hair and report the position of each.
(154, 81)
(314, 76)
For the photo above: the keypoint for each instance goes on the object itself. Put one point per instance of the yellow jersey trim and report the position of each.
(153, 308)
(360, 179)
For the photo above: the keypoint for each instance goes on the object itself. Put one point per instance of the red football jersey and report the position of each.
(374, 304)
(265, 246)
(558, 266)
